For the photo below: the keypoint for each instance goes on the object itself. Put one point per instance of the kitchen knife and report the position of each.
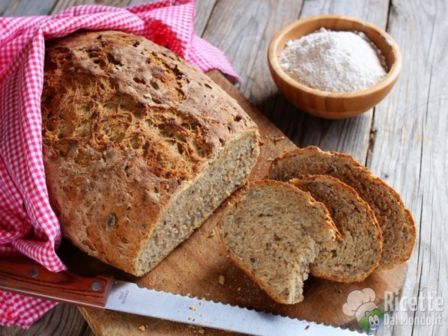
(27, 277)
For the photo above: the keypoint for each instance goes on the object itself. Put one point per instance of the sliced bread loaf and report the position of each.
(395, 220)
(358, 253)
(139, 147)
(273, 231)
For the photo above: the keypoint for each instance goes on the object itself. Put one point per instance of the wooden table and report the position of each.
(403, 139)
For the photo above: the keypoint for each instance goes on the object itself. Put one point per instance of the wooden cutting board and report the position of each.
(199, 267)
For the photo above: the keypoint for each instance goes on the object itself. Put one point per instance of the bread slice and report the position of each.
(395, 220)
(139, 147)
(358, 253)
(273, 231)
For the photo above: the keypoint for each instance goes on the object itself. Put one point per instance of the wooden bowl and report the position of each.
(332, 105)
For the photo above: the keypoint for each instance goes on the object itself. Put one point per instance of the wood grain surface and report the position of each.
(411, 150)
(403, 139)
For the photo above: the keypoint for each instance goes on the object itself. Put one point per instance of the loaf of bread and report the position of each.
(394, 219)
(358, 253)
(139, 147)
(273, 231)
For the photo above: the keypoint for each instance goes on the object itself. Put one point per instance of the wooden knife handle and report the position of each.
(25, 276)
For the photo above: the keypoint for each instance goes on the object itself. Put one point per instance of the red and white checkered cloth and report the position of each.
(27, 223)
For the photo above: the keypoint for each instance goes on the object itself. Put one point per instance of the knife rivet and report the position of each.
(34, 272)
(96, 286)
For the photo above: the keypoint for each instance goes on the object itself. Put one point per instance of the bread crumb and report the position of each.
(222, 280)
(211, 234)
(278, 138)
(142, 328)
(201, 331)
(191, 307)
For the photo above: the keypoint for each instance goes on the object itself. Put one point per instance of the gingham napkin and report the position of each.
(27, 223)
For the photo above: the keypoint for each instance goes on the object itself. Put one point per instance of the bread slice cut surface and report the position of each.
(272, 231)
(358, 253)
(395, 220)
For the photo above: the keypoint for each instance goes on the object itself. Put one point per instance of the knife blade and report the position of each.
(130, 298)
(27, 277)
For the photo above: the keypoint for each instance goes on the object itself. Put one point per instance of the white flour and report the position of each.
(334, 61)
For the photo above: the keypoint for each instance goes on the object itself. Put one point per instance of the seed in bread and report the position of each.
(358, 253)
(139, 147)
(273, 231)
(395, 220)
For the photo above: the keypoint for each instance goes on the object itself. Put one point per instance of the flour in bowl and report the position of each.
(334, 61)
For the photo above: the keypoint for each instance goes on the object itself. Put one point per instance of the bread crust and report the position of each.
(365, 206)
(392, 261)
(234, 199)
(413, 233)
(126, 125)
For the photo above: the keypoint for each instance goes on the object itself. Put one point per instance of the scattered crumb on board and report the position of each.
(197, 330)
(277, 138)
(222, 280)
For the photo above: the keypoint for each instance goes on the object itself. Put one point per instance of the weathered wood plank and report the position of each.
(62, 4)
(411, 150)
(374, 11)
(4, 5)
(25, 7)
(62, 320)
(204, 9)
(242, 30)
